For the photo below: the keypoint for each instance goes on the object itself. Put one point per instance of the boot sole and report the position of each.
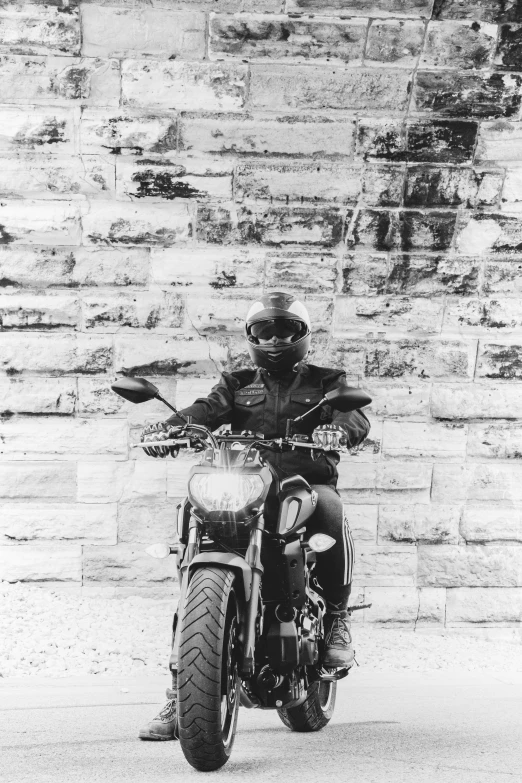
(154, 737)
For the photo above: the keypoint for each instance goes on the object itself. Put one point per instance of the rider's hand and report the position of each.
(330, 437)
(160, 431)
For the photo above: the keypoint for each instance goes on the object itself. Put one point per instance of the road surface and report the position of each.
(394, 727)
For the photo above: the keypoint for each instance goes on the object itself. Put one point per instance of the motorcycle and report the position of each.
(249, 626)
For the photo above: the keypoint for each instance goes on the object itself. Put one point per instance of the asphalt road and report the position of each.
(387, 728)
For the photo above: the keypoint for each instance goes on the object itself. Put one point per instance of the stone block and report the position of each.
(400, 605)
(226, 6)
(364, 274)
(81, 523)
(286, 181)
(431, 275)
(56, 354)
(284, 87)
(128, 132)
(189, 389)
(71, 267)
(146, 523)
(384, 230)
(381, 137)
(62, 438)
(39, 311)
(38, 480)
(441, 141)
(38, 129)
(108, 482)
(444, 360)
(362, 521)
(223, 313)
(214, 268)
(384, 482)
(268, 134)
(56, 176)
(125, 563)
(434, 524)
(385, 566)
(123, 311)
(483, 605)
(502, 277)
(253, 37)
(467, 94)
(483, 317)
(40, 222)
(477, 483)
(509, 48)
(40, 564)
(499, 362)
(295, 270)
(27, 28)
(500, 140)
(459, 45)
(183, 85)
(476, 401)
(481, 10)
(65, 80)
(383, 186)
(284, 225)
(501, 440)
(491, 524)
(142, 32)
(117, 223)
(165, 355)
(434, 187)
(512, 189)
(173, 178)
(37, 395)
(470, 566)
(399, 399)
(489, 188)
(425, 440)
(374, 315)
(489, 233)
(394, 42)
(379, 8)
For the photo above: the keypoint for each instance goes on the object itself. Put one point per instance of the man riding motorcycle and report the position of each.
(283, 386)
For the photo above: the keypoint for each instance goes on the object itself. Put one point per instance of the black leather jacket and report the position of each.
(256, 400)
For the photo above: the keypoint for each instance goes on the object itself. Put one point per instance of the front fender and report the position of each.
(225, 560)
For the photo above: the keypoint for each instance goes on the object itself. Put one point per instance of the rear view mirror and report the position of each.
(347, 398)
(135, 389)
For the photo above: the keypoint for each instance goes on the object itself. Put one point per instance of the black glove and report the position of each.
(161, 431)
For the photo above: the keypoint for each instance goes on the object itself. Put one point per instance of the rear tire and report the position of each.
(208, 680)
(315, 712)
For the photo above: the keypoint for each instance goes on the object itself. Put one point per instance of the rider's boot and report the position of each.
(338, 647)
(165, 724)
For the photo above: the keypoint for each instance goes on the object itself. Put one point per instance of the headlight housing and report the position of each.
(225, 491)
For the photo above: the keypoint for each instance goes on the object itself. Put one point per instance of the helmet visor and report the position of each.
(279, 327)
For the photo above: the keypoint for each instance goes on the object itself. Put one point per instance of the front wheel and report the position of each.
(208, 680)
(315, 712)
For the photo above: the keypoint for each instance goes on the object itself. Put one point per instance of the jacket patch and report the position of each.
(249, 390)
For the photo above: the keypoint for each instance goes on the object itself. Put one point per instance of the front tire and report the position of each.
(208, 680)
(315, 712)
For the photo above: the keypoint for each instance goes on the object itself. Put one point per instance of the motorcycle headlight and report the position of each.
(225, 491)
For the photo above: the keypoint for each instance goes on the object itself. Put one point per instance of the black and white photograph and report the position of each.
(261, 391)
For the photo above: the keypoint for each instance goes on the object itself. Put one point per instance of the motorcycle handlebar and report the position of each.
(272, 445)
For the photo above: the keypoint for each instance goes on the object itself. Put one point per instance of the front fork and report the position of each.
(248, 630)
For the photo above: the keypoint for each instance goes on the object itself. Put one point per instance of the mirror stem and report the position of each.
(161, 399)
(300, 418)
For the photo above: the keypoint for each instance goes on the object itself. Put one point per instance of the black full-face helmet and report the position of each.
(283, 316)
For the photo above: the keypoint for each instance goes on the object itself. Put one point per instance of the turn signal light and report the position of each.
(320, 542)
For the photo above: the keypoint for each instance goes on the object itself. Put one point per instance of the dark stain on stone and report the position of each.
(224, 281)
(405, 277)
(12, 371)
(428, 187)
(50, 132)
(75, 83)
(215, 225)
(384, 231)
(165, 367)
(6, 283)
(507, 360)
(414, 226)
(441, 141)
(5, 237)
(388, 145)
(464, 94)
(168, 141)
(498, 11)
(509, 51)
(163, 184)
(118, 150)
(475, 27)
(6, 414)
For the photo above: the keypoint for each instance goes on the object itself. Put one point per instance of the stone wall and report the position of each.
(164, 162)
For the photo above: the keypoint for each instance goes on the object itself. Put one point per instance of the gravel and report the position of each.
(58, 633)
